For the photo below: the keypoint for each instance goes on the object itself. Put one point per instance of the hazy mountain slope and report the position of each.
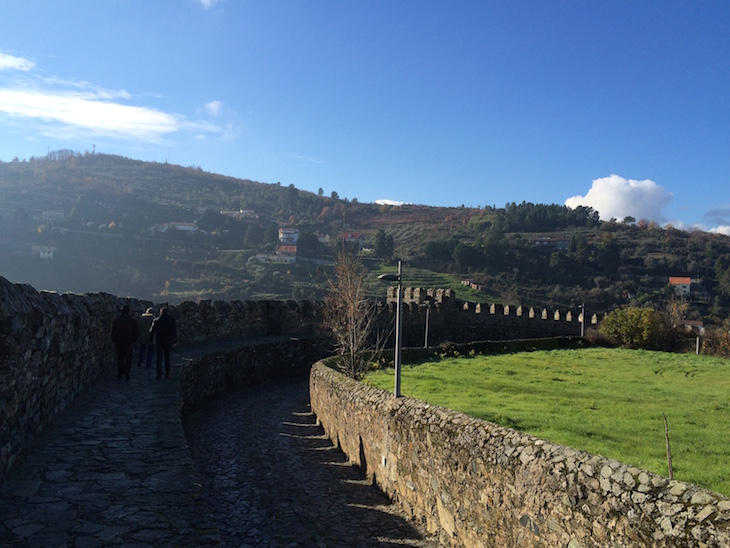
(95, 214)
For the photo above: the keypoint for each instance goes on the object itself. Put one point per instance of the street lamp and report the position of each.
(582, 308)
(427, 305)
(396, 278)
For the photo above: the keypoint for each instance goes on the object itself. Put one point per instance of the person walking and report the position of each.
(145, 339)
(124, 334)
(164, 331)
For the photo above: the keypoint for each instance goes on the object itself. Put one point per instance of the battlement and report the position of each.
(53, 346)
(456, 320)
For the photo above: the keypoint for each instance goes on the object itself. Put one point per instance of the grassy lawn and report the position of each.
(605, 401)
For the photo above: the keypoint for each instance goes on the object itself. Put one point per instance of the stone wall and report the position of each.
(478, 484)
(250, 363)
(451, 319)
(53, 347)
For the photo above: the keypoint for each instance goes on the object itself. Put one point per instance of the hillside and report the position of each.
(94, 222)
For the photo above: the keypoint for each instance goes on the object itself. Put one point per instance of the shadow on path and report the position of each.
(115, 469)
(273, 478)
(112, 469)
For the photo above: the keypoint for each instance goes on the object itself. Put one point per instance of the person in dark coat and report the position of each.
(164, 332)
(146, 347)
(124, 335)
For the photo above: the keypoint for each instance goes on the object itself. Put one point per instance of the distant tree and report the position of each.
(633, 327)
(494, 246)
(325, 214)
(628, 220)
(334, 195)
(559, 262)
(254, 237)
(271, 235)
(384, 245)
(292, 195)
(609, 258)
(210, 220)
(307, 242)
(468, 256)
(320, 192)
(722, 274)
(441, 250)
(579, 249)
(350, 316)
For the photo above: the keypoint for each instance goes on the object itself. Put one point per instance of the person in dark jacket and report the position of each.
(164, 332)
(124, 335)
(145, 339)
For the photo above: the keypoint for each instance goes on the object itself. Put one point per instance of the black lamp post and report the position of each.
(582, 308)
(427, 305)
(396, 278)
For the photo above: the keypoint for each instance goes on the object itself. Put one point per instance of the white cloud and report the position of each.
(724, 229)
(385, 201)
(213, 108)
(616, 197)
(10, 62)
(88, 112)
(207, 4)
(70, 110)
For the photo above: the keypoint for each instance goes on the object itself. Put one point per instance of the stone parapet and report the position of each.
(248, 363)
(54, 346)
(478, 484)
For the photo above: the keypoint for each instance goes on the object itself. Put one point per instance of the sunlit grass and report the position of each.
(605, 401)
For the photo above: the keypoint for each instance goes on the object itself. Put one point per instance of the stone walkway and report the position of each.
(277, 480)
(115, 469)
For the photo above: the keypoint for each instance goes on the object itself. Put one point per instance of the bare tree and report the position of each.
(351, 316)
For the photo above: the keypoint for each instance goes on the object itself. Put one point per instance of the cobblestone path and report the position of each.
(115, 469)
(274, 479)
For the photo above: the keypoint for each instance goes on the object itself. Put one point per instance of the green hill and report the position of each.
(95, 222)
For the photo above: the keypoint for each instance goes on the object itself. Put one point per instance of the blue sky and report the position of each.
(622, 106)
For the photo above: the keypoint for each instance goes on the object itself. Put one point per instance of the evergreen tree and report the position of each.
(384, 245)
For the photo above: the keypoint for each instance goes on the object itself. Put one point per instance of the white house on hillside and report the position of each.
(681, 284)
(183, 227)
(288, 235)
(286, 253)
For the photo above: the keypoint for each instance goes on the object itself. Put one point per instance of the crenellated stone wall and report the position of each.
(54, 346)
(480, 485)
(451, 319)
(475, 483)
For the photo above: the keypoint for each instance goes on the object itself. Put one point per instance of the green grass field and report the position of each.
(604, 401)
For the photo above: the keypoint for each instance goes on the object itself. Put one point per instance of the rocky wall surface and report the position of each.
(207, 321)
(253, 362)
(454, 320)
(478, 484)
(54, 346)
